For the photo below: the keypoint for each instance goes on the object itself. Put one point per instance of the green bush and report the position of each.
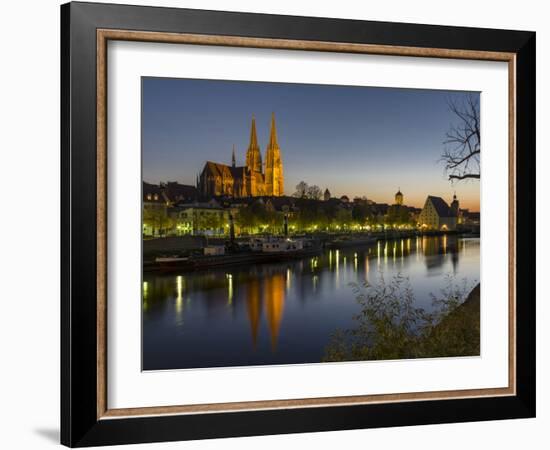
(390, 326)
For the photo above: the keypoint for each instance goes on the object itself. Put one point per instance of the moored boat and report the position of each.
(287, 249)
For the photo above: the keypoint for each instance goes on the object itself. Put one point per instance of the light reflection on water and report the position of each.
(284, 313)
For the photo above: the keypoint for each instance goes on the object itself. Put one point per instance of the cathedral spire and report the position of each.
(233, 160)
(253, 155)
(253, 136)
(274, 178)
(273, 134)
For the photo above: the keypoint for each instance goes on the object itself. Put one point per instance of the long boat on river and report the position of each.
(199, 262)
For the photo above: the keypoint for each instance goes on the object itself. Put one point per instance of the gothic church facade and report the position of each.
(251, 180)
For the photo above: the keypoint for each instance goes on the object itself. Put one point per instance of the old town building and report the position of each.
(438, 215)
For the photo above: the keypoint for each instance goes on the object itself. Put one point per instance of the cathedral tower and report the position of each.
(274, 177)
(253, 155)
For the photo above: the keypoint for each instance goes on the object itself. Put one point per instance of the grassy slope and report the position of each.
(458, 333)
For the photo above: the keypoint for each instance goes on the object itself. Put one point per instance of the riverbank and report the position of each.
(458, 332)
(188, 250)
(390, 327)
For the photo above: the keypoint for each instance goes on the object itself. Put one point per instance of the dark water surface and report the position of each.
(284, 313)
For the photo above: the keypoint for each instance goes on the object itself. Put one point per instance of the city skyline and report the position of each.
(355, 141)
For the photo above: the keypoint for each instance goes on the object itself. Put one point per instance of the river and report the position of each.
(285, 313)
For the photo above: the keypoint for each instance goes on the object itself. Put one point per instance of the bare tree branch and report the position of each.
(462, 144)
(463, 177)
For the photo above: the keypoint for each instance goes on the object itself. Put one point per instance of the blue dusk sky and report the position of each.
(358, 141)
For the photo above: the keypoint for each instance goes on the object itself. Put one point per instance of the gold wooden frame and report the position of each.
(103, 36)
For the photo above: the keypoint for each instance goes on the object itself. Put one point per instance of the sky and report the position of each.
(357, 141)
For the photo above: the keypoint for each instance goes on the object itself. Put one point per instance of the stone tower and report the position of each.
(398, 197)
(274, 177)
(253, 155)
(455, 206)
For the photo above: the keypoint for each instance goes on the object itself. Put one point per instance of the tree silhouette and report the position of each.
(462, 140)
(301, 190)
(314, 192)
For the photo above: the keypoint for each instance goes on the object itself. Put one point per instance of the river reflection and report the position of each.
(284, 313)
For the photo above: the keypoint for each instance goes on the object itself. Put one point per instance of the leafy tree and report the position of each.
(257, 217)
(210, 221)
(307, 215)
(157, 220)
(343, 218)
(398, 214)
(246, 220)
(361, 213)
(330, 211)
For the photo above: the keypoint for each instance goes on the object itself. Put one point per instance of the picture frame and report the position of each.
(86, 418)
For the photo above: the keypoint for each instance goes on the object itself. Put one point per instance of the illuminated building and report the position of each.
(155, 203)
(250, 180)
(398, 197)
(437, 215)
(207, 218)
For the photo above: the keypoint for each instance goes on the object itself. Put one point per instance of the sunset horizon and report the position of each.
(365, 142)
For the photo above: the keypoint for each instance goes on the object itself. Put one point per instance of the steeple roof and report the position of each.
(253, 136)
(274, 177)
(253, 155)
(273, 152)
(440, 205)
(273, 134)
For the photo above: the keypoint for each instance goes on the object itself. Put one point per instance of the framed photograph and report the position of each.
(276, 224)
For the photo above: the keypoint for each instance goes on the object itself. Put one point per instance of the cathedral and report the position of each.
(251, 180)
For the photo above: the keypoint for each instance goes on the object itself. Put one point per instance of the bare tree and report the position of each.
(462, 140)
(304, 190)
(314, 192)
(301, 189)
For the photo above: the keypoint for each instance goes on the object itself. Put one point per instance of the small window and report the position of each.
(148, 196)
